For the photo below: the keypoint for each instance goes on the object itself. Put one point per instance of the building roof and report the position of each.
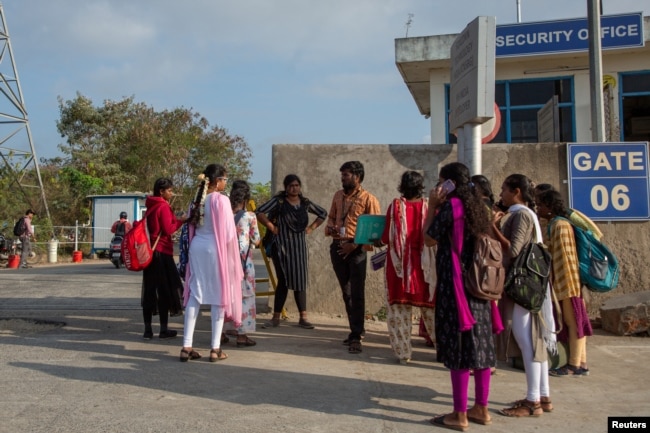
(120, 195)
(415, 57)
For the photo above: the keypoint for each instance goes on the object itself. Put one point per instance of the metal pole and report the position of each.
(473, 148)
(518, 11)
(460, 145)
(76, 235)
(21, 107)
(595, 72)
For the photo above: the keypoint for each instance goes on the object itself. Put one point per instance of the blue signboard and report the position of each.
(609, 181)
(617, 31)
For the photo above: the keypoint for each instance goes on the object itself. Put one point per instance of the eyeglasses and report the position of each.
(225, 179)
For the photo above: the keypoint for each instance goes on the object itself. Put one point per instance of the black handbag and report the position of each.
(268, 241)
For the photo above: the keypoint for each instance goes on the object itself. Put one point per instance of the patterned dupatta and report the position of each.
(397, 239)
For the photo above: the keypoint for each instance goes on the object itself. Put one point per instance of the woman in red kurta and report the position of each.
(161, 284)
(410, 274)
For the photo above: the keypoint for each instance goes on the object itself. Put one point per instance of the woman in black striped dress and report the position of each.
(286, 215)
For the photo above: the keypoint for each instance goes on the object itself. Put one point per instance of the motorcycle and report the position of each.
(115, 251)
(7, 248)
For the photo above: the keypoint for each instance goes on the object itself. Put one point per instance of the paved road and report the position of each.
(72, 360)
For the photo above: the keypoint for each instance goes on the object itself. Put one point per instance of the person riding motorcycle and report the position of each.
(120, 228)
(122, 225)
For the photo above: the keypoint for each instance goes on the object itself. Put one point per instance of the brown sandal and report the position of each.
(186, 355)
(246, 342)
(523, 408)
(546, 404)
(219, 355)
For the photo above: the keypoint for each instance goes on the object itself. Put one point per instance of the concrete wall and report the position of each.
(318, 167)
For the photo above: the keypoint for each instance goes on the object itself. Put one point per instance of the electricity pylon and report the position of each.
(17, 151)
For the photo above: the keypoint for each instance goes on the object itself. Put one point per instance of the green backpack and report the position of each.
(527, 278)
(599, 269)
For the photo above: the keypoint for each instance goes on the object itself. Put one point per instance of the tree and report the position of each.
(126, 145)
(12, 204)
(261, 192)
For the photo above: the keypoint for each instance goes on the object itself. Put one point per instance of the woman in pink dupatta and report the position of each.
(406, 285)
(464, 324)
(214, 272)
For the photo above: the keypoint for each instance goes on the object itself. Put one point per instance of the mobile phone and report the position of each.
(500, 206)
(447, 186)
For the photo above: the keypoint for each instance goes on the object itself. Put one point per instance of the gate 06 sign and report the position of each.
(609, 181)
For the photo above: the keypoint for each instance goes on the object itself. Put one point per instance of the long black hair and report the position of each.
(476, 214)
(240, 193)
(161, 184)
(412, 185)
(553, 200)
(525, 185)
(288, 179)
(211, 173)
(484, 187)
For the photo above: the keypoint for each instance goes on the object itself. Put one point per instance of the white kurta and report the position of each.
(205, 281)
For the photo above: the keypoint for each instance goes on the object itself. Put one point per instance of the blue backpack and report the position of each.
(599, 269)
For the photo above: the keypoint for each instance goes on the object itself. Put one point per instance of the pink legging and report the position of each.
(460, 385)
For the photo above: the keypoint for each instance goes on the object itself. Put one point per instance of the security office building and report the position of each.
(540, 63)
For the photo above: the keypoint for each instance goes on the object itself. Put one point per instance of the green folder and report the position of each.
(369, 228)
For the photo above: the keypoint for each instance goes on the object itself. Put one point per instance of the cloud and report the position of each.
(366, 86)
(100, 29)
(271, 71)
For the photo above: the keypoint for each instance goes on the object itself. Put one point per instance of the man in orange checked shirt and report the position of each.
(349, 259)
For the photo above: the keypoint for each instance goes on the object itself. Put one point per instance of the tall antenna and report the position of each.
(409, 21)
(16, 146)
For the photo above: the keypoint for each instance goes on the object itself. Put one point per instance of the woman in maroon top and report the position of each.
(161, 284)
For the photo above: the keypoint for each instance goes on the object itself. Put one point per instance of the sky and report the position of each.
(270, 71)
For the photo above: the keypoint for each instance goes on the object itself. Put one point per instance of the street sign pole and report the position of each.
(595, 71)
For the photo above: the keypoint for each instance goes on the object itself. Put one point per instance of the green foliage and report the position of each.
(261, 192)
(15, 200)
(381, 314)
(125, 146)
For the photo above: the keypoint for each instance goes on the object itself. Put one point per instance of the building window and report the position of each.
(519, 102)
(635, 106)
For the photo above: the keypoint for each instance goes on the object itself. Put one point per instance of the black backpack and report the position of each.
(269, 239)
(120, 230)
(238, 215)
(20, 227)
(527, 278)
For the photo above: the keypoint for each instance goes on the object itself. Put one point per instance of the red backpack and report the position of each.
(137, 252)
